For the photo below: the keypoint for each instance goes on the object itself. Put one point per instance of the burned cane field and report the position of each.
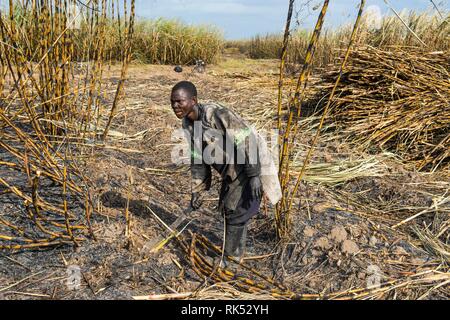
(89, 189)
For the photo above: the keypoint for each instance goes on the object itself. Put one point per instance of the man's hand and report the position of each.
(255, 187)
(195, 201)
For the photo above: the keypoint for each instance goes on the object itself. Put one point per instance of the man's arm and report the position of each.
(200, 181)
(201, 177)
(200, 171)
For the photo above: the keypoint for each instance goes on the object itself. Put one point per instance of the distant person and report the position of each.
(235, 157)
(199, 66)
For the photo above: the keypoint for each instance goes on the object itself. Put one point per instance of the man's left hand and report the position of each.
(255, 187)
(195, 201)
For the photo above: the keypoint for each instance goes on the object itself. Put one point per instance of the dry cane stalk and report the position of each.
(36, 58)
(280, 90)
(66, 214)
(282, 64)
(282, 222)
(127, 207)
(125, 62)
(405, 24)
(325, 111)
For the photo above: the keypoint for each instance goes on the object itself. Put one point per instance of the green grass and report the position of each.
(163, 41)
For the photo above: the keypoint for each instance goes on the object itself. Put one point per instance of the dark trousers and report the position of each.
(246, 207)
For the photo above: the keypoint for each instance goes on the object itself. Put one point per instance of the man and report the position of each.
(234, 154)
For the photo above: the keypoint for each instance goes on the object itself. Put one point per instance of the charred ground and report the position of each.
(341, 233)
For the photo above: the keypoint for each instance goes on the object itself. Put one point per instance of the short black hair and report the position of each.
(187, 86)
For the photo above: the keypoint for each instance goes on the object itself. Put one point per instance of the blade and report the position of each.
(154, 243)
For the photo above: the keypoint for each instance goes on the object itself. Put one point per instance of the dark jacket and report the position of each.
(219, 126)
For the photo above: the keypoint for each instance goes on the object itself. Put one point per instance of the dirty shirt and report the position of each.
(230, 142)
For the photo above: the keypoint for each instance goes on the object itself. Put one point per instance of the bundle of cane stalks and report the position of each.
(396, 100)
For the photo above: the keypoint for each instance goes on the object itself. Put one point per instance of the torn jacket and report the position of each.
(223, 140)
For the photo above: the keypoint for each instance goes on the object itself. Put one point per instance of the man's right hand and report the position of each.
(195, 201)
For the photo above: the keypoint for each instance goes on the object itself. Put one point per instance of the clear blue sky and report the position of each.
(245, 18)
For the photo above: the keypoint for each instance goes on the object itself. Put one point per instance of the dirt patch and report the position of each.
(322, 243)
(309, 232)
(349, 247)
(338, 234)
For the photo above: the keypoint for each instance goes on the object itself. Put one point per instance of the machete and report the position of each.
(158, 242)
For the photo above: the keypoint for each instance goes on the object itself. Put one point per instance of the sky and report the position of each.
(243, 19)
(240, 19)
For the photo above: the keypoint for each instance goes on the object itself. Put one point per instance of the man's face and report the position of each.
(182, 103)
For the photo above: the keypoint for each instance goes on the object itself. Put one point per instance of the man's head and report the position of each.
(183, 99)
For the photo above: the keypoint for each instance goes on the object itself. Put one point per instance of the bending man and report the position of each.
(222, 140)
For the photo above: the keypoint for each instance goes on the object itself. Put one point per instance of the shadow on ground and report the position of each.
(144, 209)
